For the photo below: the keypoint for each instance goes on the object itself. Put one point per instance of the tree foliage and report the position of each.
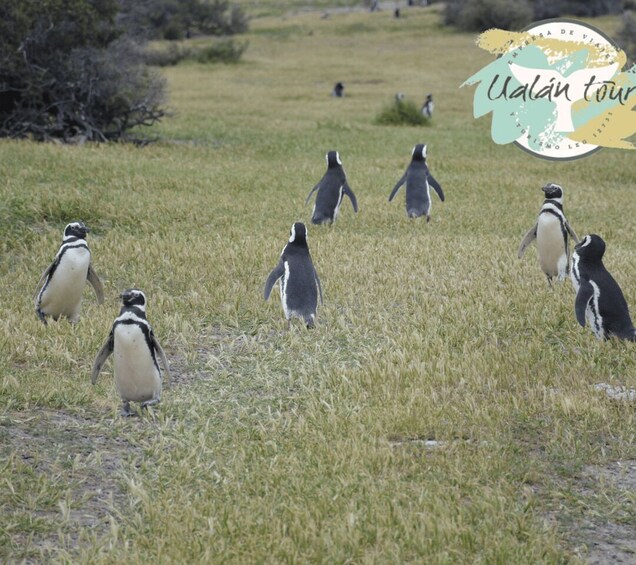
(176, 19)
(66, 74)
(479, 15)
(626, 36)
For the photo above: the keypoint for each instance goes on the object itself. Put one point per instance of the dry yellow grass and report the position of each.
(276, 446)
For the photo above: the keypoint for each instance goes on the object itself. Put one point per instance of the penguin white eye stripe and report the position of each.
(338, 158)
(586, 241)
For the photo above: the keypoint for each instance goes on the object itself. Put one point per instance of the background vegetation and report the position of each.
(444, 410)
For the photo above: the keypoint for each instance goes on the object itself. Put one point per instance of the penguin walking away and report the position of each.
(59, 291)
(551, 232)
(331, 189)
(418, 181)
(135, 349)
(599, 299)
(299, 283)
(428, 107)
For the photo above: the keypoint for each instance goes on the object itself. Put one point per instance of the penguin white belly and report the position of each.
(283, 290)
(593, 314)
(136, 375)
(340, 196)
(63, 293)
(574, 273)
(551, 246)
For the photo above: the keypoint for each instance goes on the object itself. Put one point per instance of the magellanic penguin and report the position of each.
(299, 282)
(428, 106)
(331, 189)
(599, 299)
(418, 181)
(551, 232)
(59, 292)
(135, 349)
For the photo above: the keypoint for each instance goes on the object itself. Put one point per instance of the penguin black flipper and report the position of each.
(583, 297)
(314, 189)
(351, 195)
(276, 274)
(319, 286)
(397, 187)
(571, 232)
(96, 284)
(435, 185)
(162, 356)
(103, 354)
(527, 240)
(43, 278)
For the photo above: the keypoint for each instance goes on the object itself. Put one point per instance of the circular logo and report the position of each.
(556, 89)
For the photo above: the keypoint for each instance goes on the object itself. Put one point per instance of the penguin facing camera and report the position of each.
(418, 181)
(135, 349)
(551, 232)
(59, 291)
(298, 280)
(599, 299)
(338, 90)
(331, 189)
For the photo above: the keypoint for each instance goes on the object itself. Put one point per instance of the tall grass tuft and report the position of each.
(401, 112)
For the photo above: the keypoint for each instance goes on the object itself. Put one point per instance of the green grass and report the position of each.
(309, 446)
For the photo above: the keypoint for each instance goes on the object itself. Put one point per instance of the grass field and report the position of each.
(442, 411)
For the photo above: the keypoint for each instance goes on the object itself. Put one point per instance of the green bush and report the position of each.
(219, 51)
(626, 36)
(480, 15)
(401, 112)
(66, 73)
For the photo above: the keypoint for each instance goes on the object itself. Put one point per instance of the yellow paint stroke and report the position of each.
(500, 42)
(611, 128)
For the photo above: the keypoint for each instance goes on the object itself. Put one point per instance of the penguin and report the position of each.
(418, 181)
(299, 282)
(135, 349)
(338, 90)
(428, 107)
(599, 299)
(59, 291)
(551, 232)
(331, 189)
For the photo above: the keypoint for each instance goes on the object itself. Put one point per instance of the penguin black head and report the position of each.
(298, 233)
(429, 97)
(134, 297)
(333, 159)
(590, 248)
(553, 191)
(419, 152)
(76, 229)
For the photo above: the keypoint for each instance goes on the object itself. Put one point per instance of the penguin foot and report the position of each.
(310, 324)
(152, 402)
(126, 411)
(428, 219)
(41, 315)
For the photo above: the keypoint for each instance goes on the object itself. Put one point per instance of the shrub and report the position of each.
(401, 112)
(626, 36)
(480, 15)
(224, 51)
(175, 20)
(66, 75)
(220, 51)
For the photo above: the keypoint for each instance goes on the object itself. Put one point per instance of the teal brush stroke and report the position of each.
(536, 118)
